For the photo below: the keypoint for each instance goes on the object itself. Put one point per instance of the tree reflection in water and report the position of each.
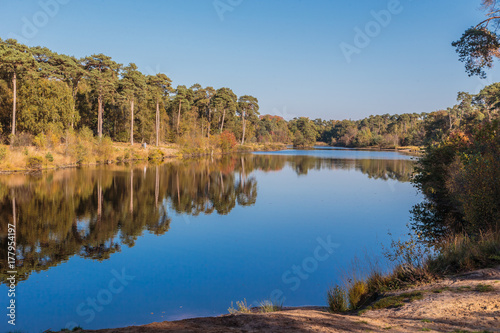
(93, 212)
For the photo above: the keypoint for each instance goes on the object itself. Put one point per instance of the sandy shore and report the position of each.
(465, 303)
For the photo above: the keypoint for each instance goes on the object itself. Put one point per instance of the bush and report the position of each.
(3, 153)
(227, 141)
(104, 149)
(40, 141)
(21, 140)
(462, 253)
(34, 162)
(155, 155)
(357, 292)
(49, 157)
(337, 300)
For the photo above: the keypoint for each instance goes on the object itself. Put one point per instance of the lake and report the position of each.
(119, 245)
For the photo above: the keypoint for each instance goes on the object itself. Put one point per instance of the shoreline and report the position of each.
(168, 152)
(453, 304)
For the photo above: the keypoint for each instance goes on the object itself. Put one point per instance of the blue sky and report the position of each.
(286, 53)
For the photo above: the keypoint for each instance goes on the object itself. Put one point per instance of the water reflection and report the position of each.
(93, 212)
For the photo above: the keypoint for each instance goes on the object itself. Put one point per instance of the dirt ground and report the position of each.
(452, 305)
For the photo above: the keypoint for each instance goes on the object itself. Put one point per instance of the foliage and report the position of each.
(227, 141)
(103, 149)
(460, 178)
(49, 157)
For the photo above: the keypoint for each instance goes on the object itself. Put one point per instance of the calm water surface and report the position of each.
(134, 244)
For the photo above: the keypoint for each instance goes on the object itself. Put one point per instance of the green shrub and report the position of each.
(337, 300)
(34, 162)
(49, 157)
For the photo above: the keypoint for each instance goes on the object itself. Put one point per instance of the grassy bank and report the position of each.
(415, 265)
(34, 157)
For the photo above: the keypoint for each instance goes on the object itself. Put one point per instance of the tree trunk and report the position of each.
(99, 116)
(244, 126)
(179, 117)
(14, 102)
(223, 116)
(209, 121)
(157, 123)
(132, 122)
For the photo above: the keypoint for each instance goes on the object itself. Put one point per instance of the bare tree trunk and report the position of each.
(132, 122)
(179, 117)
(14, 102)
(157, 124)
(99, 117)
(244, 127)
(223, 116)
(209, 121)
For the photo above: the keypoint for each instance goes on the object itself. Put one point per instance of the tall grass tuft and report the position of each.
(337, 299)
(462, 253)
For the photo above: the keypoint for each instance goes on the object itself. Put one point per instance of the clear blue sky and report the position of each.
(286, 53)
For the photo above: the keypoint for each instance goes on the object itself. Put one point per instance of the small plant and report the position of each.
(270, 306)
(337, 299)
(26, 152)
(49, 157)
(426, 321)
(242, 307)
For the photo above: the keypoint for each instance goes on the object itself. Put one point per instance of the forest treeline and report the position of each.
(44, 95)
